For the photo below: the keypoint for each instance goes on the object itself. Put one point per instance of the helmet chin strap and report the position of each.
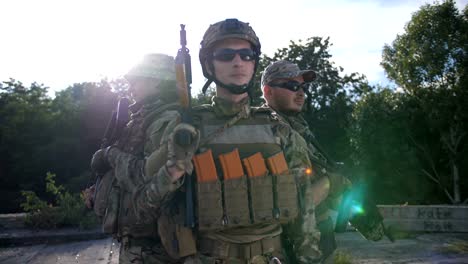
(233, 88)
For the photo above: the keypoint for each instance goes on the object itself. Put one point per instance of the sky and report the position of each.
(61, 42)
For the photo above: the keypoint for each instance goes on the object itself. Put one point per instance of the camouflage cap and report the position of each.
(285, 69)
(156, 66)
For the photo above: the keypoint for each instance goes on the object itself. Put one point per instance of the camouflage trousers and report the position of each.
(327, 243)
(143, 251)
(300, 247)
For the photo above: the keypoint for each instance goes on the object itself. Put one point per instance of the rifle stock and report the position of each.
(361, 212)
(184, 80)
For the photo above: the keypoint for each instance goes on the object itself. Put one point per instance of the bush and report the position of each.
(70, 209)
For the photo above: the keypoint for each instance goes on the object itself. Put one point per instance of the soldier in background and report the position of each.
(152, 85)
(283, 86)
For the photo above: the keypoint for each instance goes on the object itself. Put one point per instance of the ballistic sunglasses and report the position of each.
(291, 85)
(229, 54)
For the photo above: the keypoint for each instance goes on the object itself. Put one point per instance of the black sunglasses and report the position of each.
(229, 54)
(291, 85)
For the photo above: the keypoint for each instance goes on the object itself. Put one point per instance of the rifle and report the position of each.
(112, 133)
(116, 123)
(183, 65)
(361, 212)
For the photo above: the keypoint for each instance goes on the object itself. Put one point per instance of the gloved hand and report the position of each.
(99, 162)
(182, 144)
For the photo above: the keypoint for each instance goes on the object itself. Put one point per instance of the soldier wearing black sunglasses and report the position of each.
(248, 168)
(284, 86)
(234, 227)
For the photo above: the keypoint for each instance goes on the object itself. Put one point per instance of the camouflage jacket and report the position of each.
(320, 161)
(140, 144)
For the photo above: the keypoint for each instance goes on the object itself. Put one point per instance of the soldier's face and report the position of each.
(284, 100)
(143, 88)
(237, 70)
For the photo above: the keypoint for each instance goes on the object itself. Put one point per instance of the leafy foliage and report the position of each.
(69, 210)
(429, 62)
(332, 95)
(40, 134)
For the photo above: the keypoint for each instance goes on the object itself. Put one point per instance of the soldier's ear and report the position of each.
(267, 91)
(208, 68)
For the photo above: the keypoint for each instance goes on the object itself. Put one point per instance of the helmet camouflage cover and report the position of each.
(155, 66)
(227, 29)
(230, 28)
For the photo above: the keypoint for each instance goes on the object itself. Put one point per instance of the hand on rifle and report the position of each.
(182, 144)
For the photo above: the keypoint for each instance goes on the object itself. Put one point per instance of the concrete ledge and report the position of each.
(430, 218)
(16, 237)
(419, 218)
(10, 221)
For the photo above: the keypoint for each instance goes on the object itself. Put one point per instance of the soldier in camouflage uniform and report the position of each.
(284, 87)
(152, 84)
(249, 167)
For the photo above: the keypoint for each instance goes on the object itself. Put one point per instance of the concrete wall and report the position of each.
(433, 218)
(12, 221)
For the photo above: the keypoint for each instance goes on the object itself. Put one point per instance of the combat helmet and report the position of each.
(154, 66)
(226, 29)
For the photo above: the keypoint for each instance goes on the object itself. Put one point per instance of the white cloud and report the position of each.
(59, 43)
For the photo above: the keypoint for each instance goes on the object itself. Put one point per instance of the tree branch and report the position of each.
(440, 185)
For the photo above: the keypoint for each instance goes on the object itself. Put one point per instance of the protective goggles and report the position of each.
(229, 54)
(291, 85)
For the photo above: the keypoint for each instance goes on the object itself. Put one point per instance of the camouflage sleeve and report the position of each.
(158, 187)
(338, 185)
(302, 233)
(127, 168)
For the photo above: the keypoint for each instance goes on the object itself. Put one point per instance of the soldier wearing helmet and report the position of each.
(128, 163)
(229, 56)
(249, 166)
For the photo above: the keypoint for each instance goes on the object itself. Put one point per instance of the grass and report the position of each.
(342, 257)
(458, 247)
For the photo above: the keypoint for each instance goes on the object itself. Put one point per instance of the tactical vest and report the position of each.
(241, 172)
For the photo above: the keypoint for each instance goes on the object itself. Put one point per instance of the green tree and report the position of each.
(332, 95)
(429, 62)
(382, 152)
(39, 134)
(24, 125)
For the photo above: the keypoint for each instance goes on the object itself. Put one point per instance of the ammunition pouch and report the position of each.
(242, 199)
(209, 201)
